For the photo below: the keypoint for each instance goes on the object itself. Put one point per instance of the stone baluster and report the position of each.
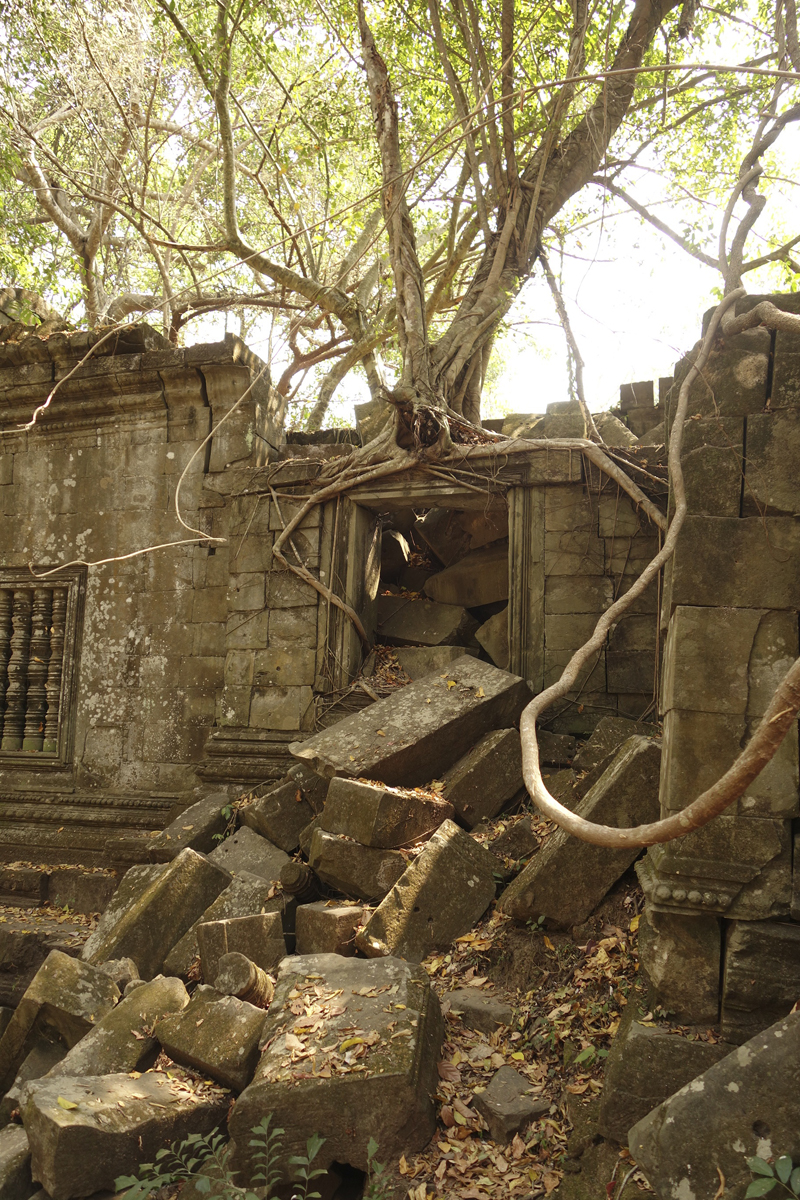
(6, 605)
(54, 670)
(36, 701)
(14, 723)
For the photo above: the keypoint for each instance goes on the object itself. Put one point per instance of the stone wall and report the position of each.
(730, 616)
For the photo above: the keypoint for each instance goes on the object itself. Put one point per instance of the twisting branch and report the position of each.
(590, 429)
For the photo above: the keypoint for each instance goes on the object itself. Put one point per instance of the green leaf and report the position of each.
(68, 1104)
(783, 1168)
(372, 1149)
(313, 1146)
(759, 1167)
(760, 1187)
(203, 1185)
(794, 1182)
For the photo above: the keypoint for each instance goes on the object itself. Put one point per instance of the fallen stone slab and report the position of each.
(518, 840)
(65, 994)
(445, 890)
(556, 749)
(152, 912)
(121, 970)
(15, 1164)
(218, 1035)
(313, 786)
(507, 1105)
(567, 878)
(198, 827)
(238, 976)
(746, 1105)
(644, 1067)
(419, 661)
(44, 1054)
(259, 936)
(441, 530)
(326, 928)
(608, 736)
(280, 815)
(404, 622)
(80, 890)
(84, 1133)
(493, 636)
(381, 817)
(24, 945)
(321, 1075)
(245, 894)
(247, 851)
(417, 733)
(477, 1011)
(353, 869)
(481, 577)
(486, 778)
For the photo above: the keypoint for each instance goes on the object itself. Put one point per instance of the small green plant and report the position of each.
(782, 1172)
(305, 1171)
(378, 1186)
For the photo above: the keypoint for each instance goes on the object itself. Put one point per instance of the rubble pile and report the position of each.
(310, 974)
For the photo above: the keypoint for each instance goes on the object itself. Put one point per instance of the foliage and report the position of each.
(782, 1173)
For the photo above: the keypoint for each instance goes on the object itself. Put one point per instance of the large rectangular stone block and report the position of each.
(486, 778)
(761, 976)
(786, 370)
(318, 1077)
(773, 451)
(752, 562)
(567, 878)
(153, 908)
(381, 817)
(481, 577)
(415, 734)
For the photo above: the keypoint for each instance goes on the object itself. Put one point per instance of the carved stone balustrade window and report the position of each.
(40, 627)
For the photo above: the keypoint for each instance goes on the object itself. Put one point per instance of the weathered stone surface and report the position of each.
(247, 851)
(259, 936)
(66, 995)
(116, 1124)
(380, 817)
(279, 815)
(419, 661)
(486, 778)
(680, 955)
(493, 636)
(644, 1067)
(44, 1054)
(15, 1164)
(734, 380)
(567, 878)
(746, 1104)
(479, 1011)
(353, 869)
(507, 1105)
(403, 622)
(445, 890)
(416, 734)
(518, 840)
(750, 562)
(608, 736)
(556, 749)
(244, 895)
(122, 1041)
(150, 915)
(313, 786)
(481, 577)
(323, 928)
(217, 1035)
(441, 530)
(198, 827)
(81, 891)
(773, 449)
(395, 553)
(121, 970)
(391, 1099)
(613, 431)
(761, 976)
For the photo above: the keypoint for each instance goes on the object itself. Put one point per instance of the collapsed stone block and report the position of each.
(245, 894)
(325, 928)
(761, 976)
(198, 827)
(493, 636)
(745, 1105)
(481, 577)
(110, 1124)
(319, 1075)
(259, 936)
(680, 956)
(518, 840)
(507, 1105)
(353, 869)
(279, 815)
(404, 622)
(445, 890)
(15, 1164)
(313, 786)
(644, 1067)
(477, 1011)
(380, 817)
(121, 970)
(44, 1054)
(486, 778)
(248, 851)
(567, 878)
(440, 530)
(417, 733)
(152, 910)
(65, 995)
(608, 736)
(419, 661)
(217, 1035)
